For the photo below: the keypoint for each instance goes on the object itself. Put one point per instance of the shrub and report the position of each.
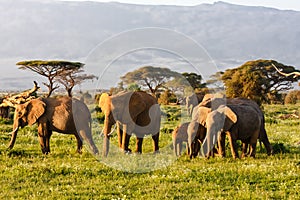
(292, 97)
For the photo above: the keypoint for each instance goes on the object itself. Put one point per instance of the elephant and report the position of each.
(196, 135)
(239, 122)
(192, 101)
(213, 103)
(180, 135)
(64, 115)
(134, 112)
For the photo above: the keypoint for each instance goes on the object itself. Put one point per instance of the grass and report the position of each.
(64, 174)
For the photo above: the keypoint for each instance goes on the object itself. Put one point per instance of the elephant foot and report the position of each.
(156, 152)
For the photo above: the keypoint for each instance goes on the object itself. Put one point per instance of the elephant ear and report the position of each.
(35, 109)
(230, 114)
(136, 105)
(105, 103)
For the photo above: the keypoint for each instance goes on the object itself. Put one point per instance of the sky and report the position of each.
(279, 4)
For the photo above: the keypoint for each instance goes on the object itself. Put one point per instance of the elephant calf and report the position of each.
(179, 135)
(63, 115)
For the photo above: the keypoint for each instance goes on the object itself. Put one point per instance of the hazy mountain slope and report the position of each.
(231, 34)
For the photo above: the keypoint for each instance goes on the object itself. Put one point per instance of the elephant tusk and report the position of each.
(102, 134)
(112, 130)
(14, 130)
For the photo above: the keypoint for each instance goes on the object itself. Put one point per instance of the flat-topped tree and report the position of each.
(152, 78)
(70, 78)
(51, 69)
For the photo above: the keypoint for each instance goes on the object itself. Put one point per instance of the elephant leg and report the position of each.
(120, 134)
(187, 149)
(252, 150)
(179, 148)
(43, 137)
(126, 139)
(244, 149)
(221, 144)
(79, 143)
(155, 139)
(234, 147)
(139, 142)
(48, 141)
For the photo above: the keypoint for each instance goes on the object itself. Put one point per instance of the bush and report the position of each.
(292, 97)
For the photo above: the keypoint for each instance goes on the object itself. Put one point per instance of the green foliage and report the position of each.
(257, 80)
(167, 97)
(64, 174)
(149, 77)
(195, 80)
(133, 87)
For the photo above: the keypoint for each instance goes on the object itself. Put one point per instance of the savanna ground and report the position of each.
(64, 174)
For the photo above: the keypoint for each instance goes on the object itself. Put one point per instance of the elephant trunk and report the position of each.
(13, 136)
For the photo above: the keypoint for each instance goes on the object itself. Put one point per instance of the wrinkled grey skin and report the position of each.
(239, 122)
(64, 115)
(214, 103)
(192, 101)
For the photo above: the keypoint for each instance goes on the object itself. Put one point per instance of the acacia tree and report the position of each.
(71, 77)
(257, 80)
(152, 78)
(195, 80)
(51, 70)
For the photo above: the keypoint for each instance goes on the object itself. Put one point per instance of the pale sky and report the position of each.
(280, 4)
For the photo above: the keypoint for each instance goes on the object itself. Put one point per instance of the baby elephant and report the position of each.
(179, 135)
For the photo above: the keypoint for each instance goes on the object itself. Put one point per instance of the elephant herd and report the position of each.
(139, 113)
(214, 118)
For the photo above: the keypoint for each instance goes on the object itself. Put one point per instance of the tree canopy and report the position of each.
(65, 72)
(195, 80)
(152, 78)
(257, 80)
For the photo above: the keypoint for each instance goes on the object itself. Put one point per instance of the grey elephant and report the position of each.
(197, 130)
(179, 135)
(192, 101)
(134, 112)
(63, 115)
(213, 103)
(196, 135)
(239, 122)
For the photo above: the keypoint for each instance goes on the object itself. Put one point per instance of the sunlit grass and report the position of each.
(64, 174)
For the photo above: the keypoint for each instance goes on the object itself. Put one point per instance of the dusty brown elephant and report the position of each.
(239, 122)
(211, 102)
(63, 115)
(180, 135)
(134, 112)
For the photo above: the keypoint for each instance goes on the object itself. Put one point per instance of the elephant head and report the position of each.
(196, 135)
(217, 121)
(26, 114)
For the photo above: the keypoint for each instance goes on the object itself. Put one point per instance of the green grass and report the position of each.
(64, 174)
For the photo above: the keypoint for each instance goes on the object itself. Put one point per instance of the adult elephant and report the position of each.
(63, 115)
(210, 102)
(192, 101)
(239, 122)
(134, 112)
